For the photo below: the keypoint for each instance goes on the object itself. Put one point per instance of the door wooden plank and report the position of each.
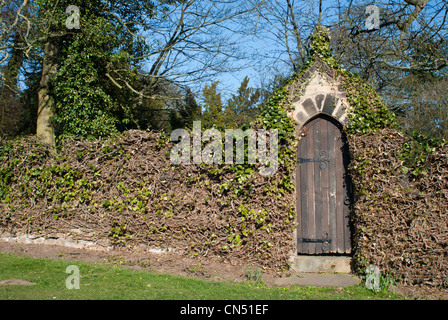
(339, 192)
(310, 231)
(317, 229)
(306, 190)
(324, 178)
(303, 198)
(301, 205)
(332, 188)
(347, 197)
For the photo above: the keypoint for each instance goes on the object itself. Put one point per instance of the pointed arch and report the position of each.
(321, 103)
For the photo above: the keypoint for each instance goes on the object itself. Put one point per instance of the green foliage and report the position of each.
(367, 113)
(118, 232)
(416, 152)
(273, 116)
(243, 107)
(237, 113)
(385, 281)
(100, 281)
(320, 45)
(87, 105)
(6, 174)
(97, 106)
(213, 115)
(257, 217)
(95, 65)
(185, 111)
(60, 185)
(253, 275)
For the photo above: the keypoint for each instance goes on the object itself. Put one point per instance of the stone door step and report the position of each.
(316, 264)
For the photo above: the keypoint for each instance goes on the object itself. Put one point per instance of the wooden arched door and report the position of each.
(323, 189)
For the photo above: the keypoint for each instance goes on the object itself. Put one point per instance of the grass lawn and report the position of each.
(108, 282)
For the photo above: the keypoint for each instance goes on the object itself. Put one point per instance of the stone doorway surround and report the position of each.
(322, 94)
(318, 91)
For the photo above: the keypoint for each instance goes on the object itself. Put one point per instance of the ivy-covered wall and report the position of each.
(400, 183)
(126, 191)
(401, 206)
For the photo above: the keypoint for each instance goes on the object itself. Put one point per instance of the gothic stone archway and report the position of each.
(322, 185)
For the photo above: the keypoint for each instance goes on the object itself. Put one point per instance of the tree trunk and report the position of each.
(45, 129)
(11, 72)
(11, 109)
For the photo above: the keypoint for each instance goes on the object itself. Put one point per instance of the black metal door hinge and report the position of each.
(325, 242)
(323, 161)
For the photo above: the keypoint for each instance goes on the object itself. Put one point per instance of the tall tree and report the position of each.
(213, 113)
(185, 110)
(11, 108)
(404, 59)
(409, 38)
(44, 128)
(77, 94)
(243, 107)
(13, 29)
(92, 82)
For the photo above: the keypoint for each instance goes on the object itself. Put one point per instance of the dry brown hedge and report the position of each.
(127, 193)
(401, 225)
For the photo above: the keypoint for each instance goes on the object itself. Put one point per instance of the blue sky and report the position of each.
(258, 40)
